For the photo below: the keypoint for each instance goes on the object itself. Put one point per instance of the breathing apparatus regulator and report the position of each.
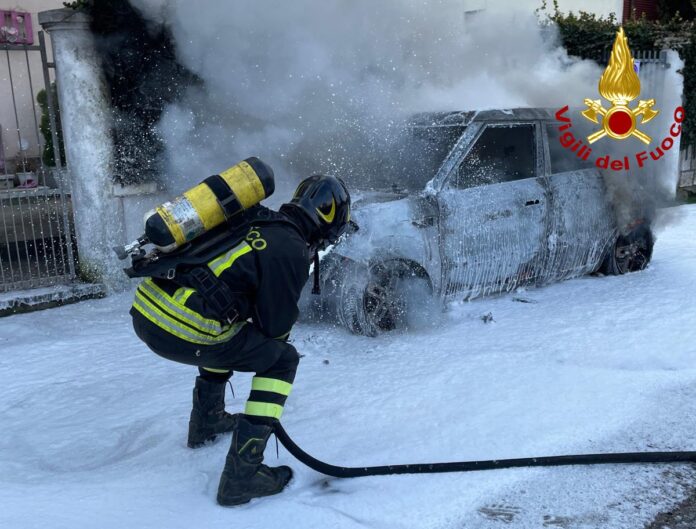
(218, 201)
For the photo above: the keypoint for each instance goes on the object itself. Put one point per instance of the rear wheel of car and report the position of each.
(630, 253)
(383, 298)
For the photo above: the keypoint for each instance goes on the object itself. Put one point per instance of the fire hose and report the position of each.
(469, 466)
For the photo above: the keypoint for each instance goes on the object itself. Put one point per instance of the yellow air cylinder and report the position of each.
(217, 199)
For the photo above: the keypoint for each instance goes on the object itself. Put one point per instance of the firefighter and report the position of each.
(265, 273)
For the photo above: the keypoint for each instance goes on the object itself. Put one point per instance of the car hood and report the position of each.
(384, 220)
(366, 198)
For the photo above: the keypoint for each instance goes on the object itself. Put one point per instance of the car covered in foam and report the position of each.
(472, 204)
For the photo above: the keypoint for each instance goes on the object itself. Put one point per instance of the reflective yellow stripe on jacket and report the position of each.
(227, 259)
(170, 313)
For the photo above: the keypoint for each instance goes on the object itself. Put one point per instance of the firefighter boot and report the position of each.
(208, 416)
(244, 477)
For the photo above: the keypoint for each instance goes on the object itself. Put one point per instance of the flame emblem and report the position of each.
(619, 84)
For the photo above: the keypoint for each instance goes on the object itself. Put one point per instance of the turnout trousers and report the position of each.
(273, 361)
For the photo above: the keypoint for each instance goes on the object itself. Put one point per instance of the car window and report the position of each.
(502, 153)
(412, 157)
(564, 159)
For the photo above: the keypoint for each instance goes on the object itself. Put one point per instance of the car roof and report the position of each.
(465, 117)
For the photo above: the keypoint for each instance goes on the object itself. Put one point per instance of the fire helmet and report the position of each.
(326, 201)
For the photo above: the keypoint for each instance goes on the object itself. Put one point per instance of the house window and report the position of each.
(15, 28)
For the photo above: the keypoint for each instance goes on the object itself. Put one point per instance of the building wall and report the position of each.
(28, 111)
(599, 7)
(638, 8)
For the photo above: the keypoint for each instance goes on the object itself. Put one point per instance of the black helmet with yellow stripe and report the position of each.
(326, 201)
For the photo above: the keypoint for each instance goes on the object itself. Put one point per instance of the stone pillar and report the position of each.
(86, 119)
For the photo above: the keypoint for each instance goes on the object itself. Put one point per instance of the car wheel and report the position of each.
(629, 253)
(381, 299)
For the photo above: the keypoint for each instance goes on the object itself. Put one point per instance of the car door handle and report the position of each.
(532, 202)
(424, 222)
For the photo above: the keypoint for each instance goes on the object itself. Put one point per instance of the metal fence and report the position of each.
(687, 169)
(37, 242)
(652, 66)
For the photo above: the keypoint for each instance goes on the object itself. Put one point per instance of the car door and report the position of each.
(580, 214)
(493, 211)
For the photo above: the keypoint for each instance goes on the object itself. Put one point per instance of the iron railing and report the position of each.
(37, 245)
(687, 169)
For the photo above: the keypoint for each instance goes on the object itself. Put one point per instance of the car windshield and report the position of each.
(411, 158)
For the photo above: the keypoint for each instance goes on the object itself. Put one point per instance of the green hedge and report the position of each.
(48, 154)
(589, 36)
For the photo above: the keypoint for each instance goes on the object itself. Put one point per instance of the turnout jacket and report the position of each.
(266, 271)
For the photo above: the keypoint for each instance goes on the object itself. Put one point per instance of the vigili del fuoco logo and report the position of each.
(620, 85)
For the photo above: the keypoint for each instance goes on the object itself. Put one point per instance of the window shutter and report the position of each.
(15, 27)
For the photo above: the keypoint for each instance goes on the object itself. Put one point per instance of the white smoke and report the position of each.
(641, 192)
(307, 85)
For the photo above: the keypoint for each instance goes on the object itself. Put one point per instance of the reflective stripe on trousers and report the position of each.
(267, 398)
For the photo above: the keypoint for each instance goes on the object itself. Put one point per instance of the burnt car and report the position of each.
(475, 203)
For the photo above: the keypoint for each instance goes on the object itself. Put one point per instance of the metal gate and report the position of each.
(37, 242)
(687, 170)
(652, 69)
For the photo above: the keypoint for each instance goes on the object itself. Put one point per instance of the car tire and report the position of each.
(629, 253)
(379, 299)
